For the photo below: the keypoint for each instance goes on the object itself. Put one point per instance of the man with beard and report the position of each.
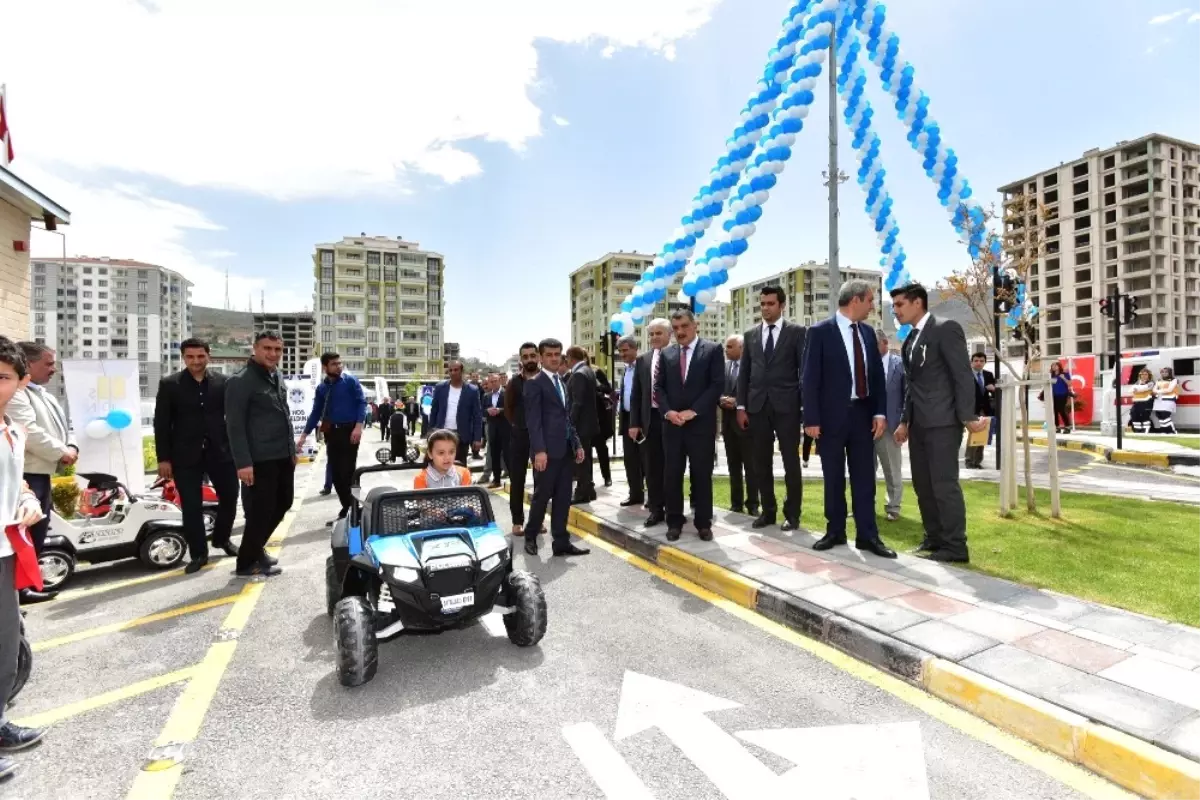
(338, 408)
(627, 348)
(645, 421)
(518, 444)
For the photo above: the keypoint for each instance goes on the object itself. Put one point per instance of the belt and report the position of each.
(342, 424)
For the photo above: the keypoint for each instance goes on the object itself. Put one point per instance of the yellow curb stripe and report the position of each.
(91, 591)
(1138, 765)
(1140, 459)
(133, 623)
(61, 713)
(726, 583)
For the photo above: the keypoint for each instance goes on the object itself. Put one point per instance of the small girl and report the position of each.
(1166, 396)
(1143, 402)
(441, 471)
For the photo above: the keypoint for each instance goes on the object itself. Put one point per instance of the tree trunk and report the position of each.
(1030, 499)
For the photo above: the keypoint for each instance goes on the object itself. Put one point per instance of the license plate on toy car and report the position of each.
(456, 602)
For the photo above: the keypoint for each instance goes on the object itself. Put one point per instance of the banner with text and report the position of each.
(301, 393)
(104, 402)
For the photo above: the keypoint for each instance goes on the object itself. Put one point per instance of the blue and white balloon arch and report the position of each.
(759, 149)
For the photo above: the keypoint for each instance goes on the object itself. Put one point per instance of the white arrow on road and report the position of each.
(679, 712)
(849, 762)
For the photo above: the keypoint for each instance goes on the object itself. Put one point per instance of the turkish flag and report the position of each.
(26, 572)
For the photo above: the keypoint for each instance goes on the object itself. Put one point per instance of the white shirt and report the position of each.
(627, 385)
(12, 468)
(917, 331)
(844, 327)
(765, 327)
(452, 398)
(496, 399)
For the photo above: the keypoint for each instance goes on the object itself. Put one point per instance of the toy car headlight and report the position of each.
(490, 563)
(402, 574)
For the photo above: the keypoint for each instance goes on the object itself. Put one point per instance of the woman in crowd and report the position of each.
(1166, 397)
(1060, 384)
(1143, 402)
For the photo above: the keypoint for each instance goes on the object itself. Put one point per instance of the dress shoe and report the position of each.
(495, 485)
(608, 483)
(673, 534)
(7, 767)
(763, 521)
(195, 565)
(752, 510)
(629, 501)
(736, 509)
(264, 569)
(579, 501)
(705, 534)
(877, 547)
(655, 518)
(790, 524)
(829, 541)
(926, 546)
(531, 547)
(268, 559)
(892, 516)
(571, 550)
(948, 557)
(229, 548)
(27, 596)
(592, 493)
(13, 737)
(324, 492)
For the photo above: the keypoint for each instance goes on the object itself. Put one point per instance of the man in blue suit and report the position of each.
(845, 410)
(887, 449)
(456, 407)
(690, 379)
(556, 449)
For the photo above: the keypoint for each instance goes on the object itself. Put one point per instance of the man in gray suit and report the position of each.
(768, 402)
(887, 449)
(939, 402)
(645, 421)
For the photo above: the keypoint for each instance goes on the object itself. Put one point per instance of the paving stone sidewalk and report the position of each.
(1135, 673)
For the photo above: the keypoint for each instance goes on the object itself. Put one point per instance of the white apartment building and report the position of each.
(807, 289)
(1121, 220)
(111, 308)
(380, 303)
(298, 331)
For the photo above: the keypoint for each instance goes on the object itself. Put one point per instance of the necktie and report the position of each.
(654, 380)
(769, 347)
(979, 379)
(683, 363)
(562, 398)
(860, 364)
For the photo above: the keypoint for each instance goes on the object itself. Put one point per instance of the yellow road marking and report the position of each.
(1069, 774)
(158, 779)
(108, 698)
(133, 623)
(110, 587)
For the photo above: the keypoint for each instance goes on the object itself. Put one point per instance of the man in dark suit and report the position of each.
(581, 386)
(985, 392)
(888, 453)
(769, 404)
(456, 407)
(627, 349)
(939, 402)
(645, 421)
(690, 377)
(555, 446)
(412, 410)
(518, 449)
(845, 410)
(191, 441)
(739, 450)
(498, 432)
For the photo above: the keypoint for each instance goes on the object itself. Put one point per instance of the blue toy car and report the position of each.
(421, 560)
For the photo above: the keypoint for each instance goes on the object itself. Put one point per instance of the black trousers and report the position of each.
(497, 450)
(270, 498)
(189, 482)
(600, 442)
(808, 446)
(654, 463)
(552, 488)
(933, 460)
(765, 426)
(343, 455)
(518, 468)
(40, 486)
(739, 455)
(412, 424)
(1060, 411)
(693, 449)
(384, 427)
(632, 456)
(855, 444)
(585, 481)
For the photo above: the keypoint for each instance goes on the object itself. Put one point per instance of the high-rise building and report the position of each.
(112, 308)
(379, 303)
(450, 352)
(20, 204)
(1121, 220)
(299, 338)
(807, 289)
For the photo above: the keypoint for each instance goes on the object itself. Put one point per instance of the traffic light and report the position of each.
(1004, 292)
(1129, 309)
(1108, 306)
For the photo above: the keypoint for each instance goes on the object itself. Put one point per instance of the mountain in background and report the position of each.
(221, 328)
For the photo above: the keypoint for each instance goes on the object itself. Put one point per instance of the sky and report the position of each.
(524, 138)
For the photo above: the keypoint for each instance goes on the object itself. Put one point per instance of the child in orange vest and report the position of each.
(441, 471)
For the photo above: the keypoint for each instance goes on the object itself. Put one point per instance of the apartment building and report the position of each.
(299, 338)
(598, 289)
(380, 303)
(20, 205)
(1121, 220)
(450, 352)
(807, 289)
(112, 308)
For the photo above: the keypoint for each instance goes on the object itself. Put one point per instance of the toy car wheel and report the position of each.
(24, 667)
(358, 651)
(57, 567)
(163, 549)
(333, 591)
(526, 623)
(210, 522)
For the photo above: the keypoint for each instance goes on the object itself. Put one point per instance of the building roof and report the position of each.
(1096, 152)
(633, 254)
(104, 260)
(23, 196)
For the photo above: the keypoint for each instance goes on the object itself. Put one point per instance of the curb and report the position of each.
(1123, 759)
(1114, 456)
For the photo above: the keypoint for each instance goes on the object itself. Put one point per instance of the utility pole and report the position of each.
(996, 360)
(833, 178)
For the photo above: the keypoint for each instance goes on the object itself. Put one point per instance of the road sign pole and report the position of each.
(1117, 312)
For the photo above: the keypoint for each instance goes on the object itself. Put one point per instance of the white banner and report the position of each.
(105, 406)
(381, 389)
(300, 402)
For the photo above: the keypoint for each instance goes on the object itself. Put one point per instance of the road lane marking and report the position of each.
(114, 627)
(102, 588)
(159, 776)
(61, 713)
(1075, 777)
(610, 772)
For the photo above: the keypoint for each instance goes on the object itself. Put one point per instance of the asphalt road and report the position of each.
(683, 682)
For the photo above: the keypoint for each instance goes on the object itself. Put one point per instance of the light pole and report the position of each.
(833, 183)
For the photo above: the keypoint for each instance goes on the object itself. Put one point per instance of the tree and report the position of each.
(412, 389)
(1008, 268)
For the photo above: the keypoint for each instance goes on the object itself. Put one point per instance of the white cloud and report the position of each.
(561, 122)
(608, 52)
(290, 99)
(1194, 17)
(1162, 19)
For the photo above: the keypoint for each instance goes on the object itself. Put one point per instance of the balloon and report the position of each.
(699, 308)
(704, 296)
(98, 429)
(119, 418)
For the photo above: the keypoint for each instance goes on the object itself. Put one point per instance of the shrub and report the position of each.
(64, 493)
(149, 457)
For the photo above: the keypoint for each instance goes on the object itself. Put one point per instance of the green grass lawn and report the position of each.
(1133, 554)
(1190, 442)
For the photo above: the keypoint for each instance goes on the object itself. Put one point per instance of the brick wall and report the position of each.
(14, 273)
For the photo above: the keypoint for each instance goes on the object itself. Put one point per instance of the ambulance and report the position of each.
(1185, 361)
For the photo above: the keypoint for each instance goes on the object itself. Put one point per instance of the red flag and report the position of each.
(26, 572)
(6, 148)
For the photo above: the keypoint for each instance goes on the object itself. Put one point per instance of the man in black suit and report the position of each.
(985, 392)
(769, 404)
(412, 410)
(191, 441)
(940, 401)
(581, 386)
(518, 445)
(690, 377)
(845, 410)
(555, 446)
(645, 421)
(498, 432)
(739, 451)
(627, 349)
